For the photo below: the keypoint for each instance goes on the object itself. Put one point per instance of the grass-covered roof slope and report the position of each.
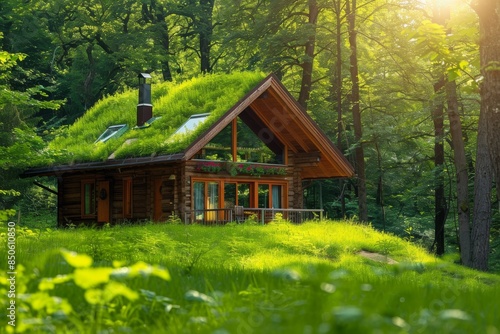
(175, 103)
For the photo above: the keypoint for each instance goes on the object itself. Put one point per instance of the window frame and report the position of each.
(128, 198)
(85, 196)
(254, 186)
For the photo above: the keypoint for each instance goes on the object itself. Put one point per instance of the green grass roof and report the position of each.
(214, 94)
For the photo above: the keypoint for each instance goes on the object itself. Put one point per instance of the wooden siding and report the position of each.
(70, 198)
(172, 183)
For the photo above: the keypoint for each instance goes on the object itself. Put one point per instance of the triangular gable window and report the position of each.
(247, 145)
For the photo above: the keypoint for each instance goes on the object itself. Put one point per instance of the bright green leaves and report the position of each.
(103, 284)
(141, 269)
(77, 260)
(86, 277)
(448, 45)
(109, 292)
(455, 71)
(431, 40)
(104, 288)
(90, 277)
(49, 283)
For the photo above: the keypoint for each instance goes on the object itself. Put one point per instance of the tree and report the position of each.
(483, 182)
(459, 158)
(488, 134)
(19, 144)
(489, 49)
(157, 15)
(307, 65)
(440, 204)
(356, 111)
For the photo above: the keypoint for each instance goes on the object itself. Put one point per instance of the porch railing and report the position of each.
(258, 215)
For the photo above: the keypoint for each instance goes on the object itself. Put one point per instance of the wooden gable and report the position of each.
(270, 107)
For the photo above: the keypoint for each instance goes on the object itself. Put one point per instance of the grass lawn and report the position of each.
(278, 278)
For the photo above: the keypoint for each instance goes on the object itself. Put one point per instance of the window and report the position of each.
(192, 123)
(263, 195)
(114, 131)
(276, 200)
(230, 197)
(244, 197)
(127, 197)
(199, 199)
(210, 195)
(206, 199)
(88, 202)
(239, 141)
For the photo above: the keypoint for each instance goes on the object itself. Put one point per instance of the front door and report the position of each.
(103, 202)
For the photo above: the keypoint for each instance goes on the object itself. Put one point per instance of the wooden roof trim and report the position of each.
(102, 165)
(322, 141)
(276, 133)
(300, 125)
(225, 119)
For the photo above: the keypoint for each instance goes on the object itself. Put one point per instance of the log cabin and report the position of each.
(239, 147)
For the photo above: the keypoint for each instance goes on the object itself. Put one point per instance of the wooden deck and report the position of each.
(256, 215)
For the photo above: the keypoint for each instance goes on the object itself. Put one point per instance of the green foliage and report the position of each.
(20, 146)
(274, 278)
(88, 53)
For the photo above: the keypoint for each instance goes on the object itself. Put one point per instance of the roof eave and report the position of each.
(102, 165)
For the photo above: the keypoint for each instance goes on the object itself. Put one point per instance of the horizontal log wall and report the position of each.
(143, 194)
(172, 183)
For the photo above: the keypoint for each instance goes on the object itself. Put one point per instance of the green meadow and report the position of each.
(318, 277)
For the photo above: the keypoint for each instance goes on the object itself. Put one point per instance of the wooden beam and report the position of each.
(45, 188)
(234, 139)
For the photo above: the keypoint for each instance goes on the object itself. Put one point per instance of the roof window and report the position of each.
(147, 124)
(114, 131)
(192, 123)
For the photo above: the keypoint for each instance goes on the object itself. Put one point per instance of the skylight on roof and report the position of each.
(113, 131)
(148, 123)
(192, 123)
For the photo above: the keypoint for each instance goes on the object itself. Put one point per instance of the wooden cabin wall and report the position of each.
(295, 191)
(172, 183)
(184, 188)
(69, 206)
(143, 194)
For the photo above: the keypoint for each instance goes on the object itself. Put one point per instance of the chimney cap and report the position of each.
(145, 75)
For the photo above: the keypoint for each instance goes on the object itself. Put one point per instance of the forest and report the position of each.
(406, 89)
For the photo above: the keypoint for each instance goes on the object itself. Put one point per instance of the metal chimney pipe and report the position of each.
(144, 108)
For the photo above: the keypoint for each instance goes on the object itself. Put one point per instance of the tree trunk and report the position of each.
(356, 112)
(337, 93)
(307, 66)
(440, 207)
(460, 161)
(156, 14)
(88, 96)
(380, 183)
(205, 32)
(165, 42)
(489, 50)
(482, 201)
